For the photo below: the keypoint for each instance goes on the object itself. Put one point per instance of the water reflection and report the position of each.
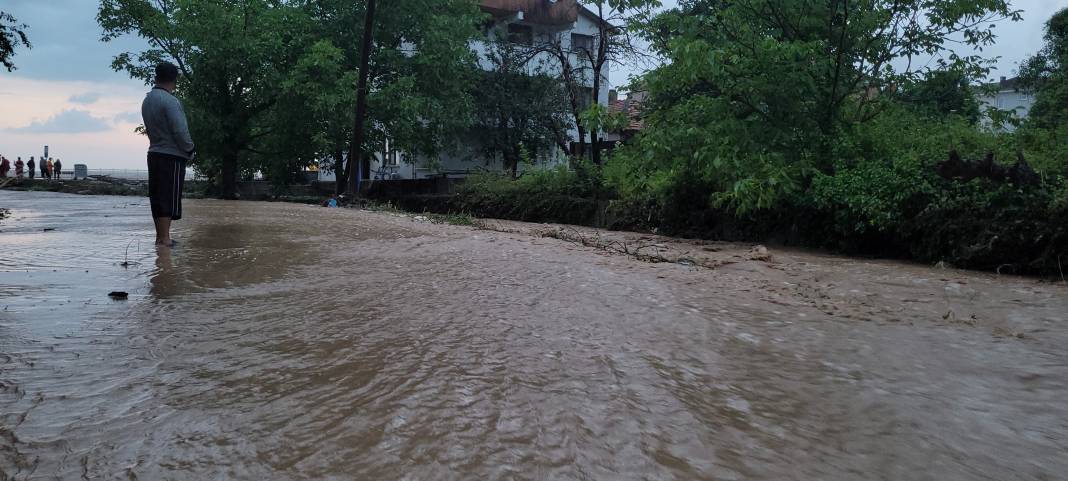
(164, 280)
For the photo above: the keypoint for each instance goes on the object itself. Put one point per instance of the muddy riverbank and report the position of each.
(284, 341)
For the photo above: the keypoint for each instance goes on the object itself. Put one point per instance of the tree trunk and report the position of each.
(581, 153)
(356, 148)
(569, 78)
(229, 174)
(514, 167)
(572, 96)
(595, 144)
(339, 172)
(598, 66)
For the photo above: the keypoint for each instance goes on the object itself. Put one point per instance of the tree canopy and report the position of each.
(232, 54)
(12, 36)
(1046, 74)
(757, 94)
(269, 85)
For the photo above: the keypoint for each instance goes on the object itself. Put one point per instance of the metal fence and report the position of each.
(128, 174)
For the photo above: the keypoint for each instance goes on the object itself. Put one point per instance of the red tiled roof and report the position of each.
(632, 107)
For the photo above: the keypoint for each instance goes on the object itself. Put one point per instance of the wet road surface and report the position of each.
(284, 341)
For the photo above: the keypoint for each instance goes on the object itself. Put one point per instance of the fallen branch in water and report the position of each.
(641, 252)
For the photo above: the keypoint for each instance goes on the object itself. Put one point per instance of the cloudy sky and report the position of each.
(65, 95)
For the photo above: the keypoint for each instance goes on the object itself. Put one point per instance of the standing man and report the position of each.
(59, 168)
(18, 167)
(30, 166)
(49, 170)
(4, 166)
(44, 168)
(170, 147)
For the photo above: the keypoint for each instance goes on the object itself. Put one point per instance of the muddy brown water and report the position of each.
(285, 341)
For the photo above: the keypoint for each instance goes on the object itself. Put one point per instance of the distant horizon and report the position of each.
(64, 93)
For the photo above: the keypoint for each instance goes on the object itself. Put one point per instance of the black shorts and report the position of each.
(166, 178)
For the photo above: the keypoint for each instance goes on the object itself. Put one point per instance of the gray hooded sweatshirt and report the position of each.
(165, 123)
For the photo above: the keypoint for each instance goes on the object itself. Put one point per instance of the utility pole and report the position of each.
(356, 147)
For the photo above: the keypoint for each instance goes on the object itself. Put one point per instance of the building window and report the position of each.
(580, 42)
(390, 156)
(521, 34)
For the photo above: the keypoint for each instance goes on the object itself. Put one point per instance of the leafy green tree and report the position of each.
(942, 93)
(884, 171)
(12, 35)
(233, 54)
(517, 113)
(420, 72)
(1046, 74)
(270, 85)
(757, 93)
(311, 120)
(1045, 131)
(356, 148)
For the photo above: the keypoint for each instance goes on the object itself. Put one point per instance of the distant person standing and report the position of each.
(170, 147)
(59, 169)
(18, 167)
(49, 171)
(5, 166)
(44, 169)
(31, 166)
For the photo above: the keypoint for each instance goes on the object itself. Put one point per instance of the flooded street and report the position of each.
(283, 341)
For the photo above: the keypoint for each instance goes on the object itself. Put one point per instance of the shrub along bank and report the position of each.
(884, 197)
(979, 224)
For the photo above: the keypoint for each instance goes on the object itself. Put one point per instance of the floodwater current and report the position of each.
(281, 341)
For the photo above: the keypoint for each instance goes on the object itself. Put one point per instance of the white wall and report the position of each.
(1012, 100)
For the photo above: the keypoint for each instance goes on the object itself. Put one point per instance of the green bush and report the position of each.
(553, 195)
(884, 170)
(1059, 202)
(881, 196)
(1046, 149)
(983, 225)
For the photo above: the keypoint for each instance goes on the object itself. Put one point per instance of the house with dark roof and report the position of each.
(1007, 95)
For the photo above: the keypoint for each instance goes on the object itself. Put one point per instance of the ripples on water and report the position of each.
(291, 342)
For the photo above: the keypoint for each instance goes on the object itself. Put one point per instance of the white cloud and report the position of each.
(66, 122)
(85, 98)
(128, 118)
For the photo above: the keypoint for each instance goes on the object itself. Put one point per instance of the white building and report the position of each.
(1007, 95)
(534, 22)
